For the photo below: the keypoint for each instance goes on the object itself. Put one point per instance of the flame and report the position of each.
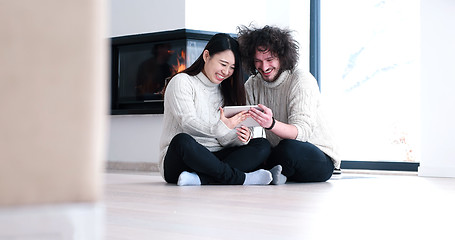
(180, 62)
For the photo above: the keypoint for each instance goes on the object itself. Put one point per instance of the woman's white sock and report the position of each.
(188, 179)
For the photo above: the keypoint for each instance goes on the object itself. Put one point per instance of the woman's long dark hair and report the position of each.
(232, 88)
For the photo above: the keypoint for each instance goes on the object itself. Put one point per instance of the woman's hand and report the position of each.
(234, 120)
(244, 134)
(264, 117)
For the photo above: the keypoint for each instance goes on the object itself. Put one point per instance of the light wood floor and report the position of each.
(348, 206)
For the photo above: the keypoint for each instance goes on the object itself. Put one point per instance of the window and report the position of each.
(369, 62)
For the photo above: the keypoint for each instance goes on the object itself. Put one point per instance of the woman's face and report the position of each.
(219, 66)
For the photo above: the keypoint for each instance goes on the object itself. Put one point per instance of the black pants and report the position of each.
(301, 161)
(227, 166)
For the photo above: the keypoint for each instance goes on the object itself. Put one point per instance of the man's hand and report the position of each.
(264, 117)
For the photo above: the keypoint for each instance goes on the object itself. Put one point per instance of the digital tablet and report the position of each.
(230, 111)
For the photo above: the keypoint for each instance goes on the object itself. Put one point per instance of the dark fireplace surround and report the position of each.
(141, 64)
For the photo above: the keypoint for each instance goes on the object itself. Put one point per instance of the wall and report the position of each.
(437, 84)
(145, 16)
(134, 139)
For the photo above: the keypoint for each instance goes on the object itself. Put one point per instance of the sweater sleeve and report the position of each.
(230, 140)
(180, 99)
(304, 99)
(249, 92)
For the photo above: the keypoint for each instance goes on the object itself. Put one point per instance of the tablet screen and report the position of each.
(230, 111)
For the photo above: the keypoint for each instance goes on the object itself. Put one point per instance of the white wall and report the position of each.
(135, 138)
(144, 16)
(437, 84)
(293, 14)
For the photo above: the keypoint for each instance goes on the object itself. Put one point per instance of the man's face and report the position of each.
(267, 64)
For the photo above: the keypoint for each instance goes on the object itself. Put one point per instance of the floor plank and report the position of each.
(348, 206)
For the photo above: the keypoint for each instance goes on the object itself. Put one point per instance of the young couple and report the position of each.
(200, 146)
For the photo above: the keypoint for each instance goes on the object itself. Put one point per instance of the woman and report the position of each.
(199, 145)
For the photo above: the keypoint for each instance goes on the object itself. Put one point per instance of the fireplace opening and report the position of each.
(141, 65)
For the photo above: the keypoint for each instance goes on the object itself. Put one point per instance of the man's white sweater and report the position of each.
(191, 105)
(294, 98)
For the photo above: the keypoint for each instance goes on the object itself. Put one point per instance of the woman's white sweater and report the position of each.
(191, 105)
(294, 98)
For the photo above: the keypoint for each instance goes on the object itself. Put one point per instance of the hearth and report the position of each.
(142, 63)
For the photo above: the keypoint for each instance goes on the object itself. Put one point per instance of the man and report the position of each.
(290, 100)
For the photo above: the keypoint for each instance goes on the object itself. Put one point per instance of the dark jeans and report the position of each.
(227, 166)
(301, 161)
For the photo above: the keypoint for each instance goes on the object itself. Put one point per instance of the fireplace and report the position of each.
(141, 65)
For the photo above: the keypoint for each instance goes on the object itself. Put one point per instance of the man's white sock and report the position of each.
(278, 178)
(259, 177)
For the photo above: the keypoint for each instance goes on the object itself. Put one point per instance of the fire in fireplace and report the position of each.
(142, 63)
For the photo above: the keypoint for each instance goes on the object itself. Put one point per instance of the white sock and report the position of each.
(188, 179)
(259, 177)
(278, 178)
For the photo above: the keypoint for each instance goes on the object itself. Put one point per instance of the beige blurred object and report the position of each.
(53, 101)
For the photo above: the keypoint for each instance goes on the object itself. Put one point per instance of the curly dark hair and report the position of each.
(269, 38)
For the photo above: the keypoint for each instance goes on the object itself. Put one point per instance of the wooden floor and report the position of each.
(348, 206)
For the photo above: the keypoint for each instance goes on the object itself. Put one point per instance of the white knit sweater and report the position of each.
(191, 105)
(294, 98)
